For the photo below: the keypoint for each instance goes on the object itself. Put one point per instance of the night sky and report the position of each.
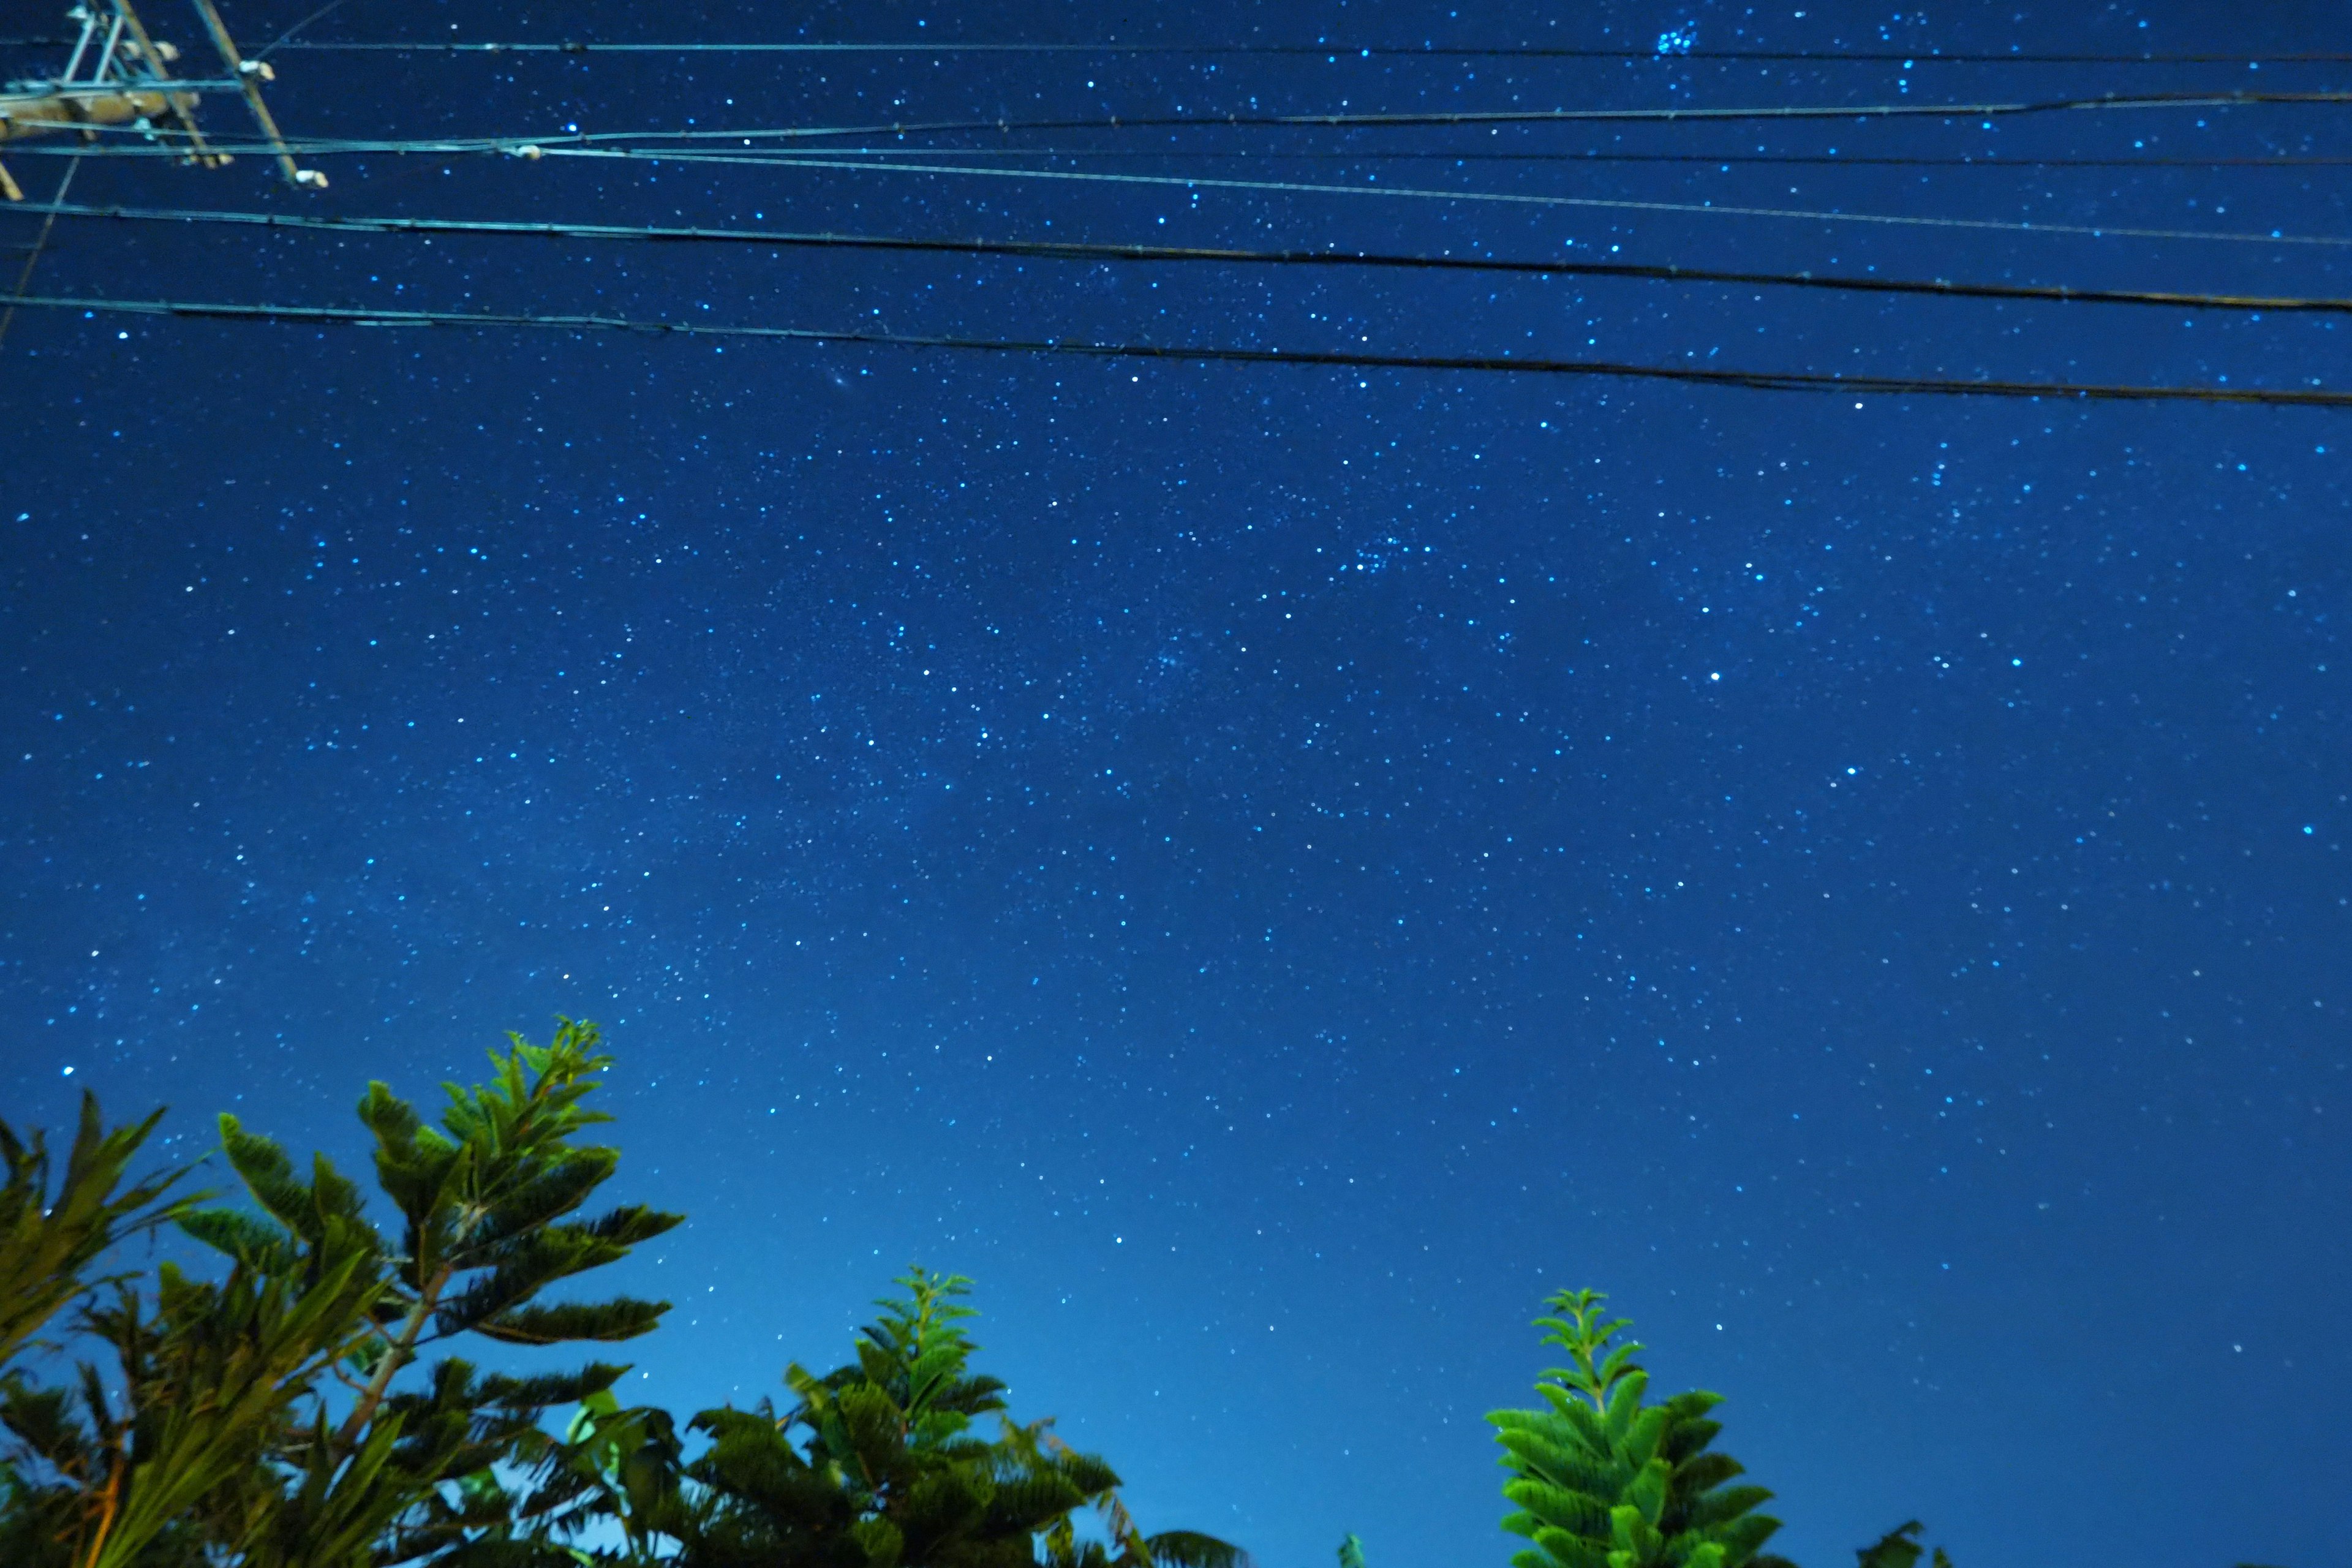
(1269, 870)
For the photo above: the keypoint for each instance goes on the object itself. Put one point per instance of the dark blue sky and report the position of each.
(1271, 870)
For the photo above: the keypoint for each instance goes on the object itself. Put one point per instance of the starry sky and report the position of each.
(1269, 870)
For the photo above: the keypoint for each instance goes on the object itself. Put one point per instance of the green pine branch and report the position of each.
(50, 1240)
(1603, 1479)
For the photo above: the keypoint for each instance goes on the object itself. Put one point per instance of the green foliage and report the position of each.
(219, 1430)
(1899, 1548)
(205, 1377)
(485, 1202)
(615, 1470)
(488, 1206)
(876, 1465)
(1602, 1479)
(50, 1242)
(301, 1411)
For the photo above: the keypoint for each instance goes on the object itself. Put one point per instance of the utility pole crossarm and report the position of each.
(120, 75)
(32, 113)
(117, 75)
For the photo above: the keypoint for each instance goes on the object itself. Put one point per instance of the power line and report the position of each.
(1991, 109)
(1077, 250)
(2100, 103)
(865, 161)
(1950, 110)
(282, 40)
(348, 146)
(1334, 52)
(574, 140)
(1468, 155)
(1206, 181)
(1766, 380)
(1330, 51)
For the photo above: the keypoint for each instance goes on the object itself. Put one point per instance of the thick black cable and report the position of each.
(1762, 381)
(1086, 251)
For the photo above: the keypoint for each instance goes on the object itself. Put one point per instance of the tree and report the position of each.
(298, 1411)
(487, 1204)
(220, 1426)
(1899, 1548)
(205, 1378)
(1602, 1480)
(49, 1242)
(876, 1466)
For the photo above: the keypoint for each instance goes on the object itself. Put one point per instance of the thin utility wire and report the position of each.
(1765, 380)
(2222, 99)
(469, 146)
(569, 147)
(286, 37)
(1083, 251)
(1416, 119)
(1207, 182)
(1812, 160)
(1331, 52)
(1328, 51)
(1945, 109)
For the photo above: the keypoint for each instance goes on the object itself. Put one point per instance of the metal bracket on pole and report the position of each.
(249, 76)
(118, 74)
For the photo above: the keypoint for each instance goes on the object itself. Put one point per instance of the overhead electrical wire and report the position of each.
(1329, 51)
(1207, 182)
(321, 146)
(574, 140)
(607, 144)
(1470, 155)
(1943, 110)
(833, 159)
(1365, 121)
(1765, 380)
(1077, 250)
(789, 147)
(1910, 58)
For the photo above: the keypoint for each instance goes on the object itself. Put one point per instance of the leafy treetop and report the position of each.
(1602, 1479)
(215, 1434)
